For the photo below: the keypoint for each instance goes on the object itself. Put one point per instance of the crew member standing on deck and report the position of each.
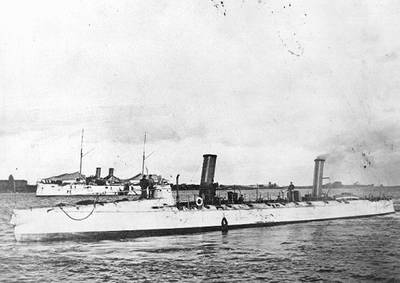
(144, 183)
(151, 186)
(290, 192)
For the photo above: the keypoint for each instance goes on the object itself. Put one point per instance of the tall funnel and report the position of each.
(318, 175)
(98, 173)
(207, 173)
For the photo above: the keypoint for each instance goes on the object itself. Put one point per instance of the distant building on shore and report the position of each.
(11, 185)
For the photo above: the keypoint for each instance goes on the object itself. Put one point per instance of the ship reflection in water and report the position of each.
(361, 249)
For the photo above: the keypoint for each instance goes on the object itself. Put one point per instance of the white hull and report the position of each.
(77, 189)
(157, 217)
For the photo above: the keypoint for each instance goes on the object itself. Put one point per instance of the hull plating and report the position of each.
(154, 217)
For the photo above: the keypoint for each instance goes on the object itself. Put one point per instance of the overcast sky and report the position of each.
(266, 85)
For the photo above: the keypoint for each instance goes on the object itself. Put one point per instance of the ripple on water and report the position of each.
(365, 249)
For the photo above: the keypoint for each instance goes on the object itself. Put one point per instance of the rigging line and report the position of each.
(144, 152)
(149, 155)
(83, 218)
(136, 194)
(86, 153)
(15, 195)
(133, 190)
(81, 155)
(195, 172)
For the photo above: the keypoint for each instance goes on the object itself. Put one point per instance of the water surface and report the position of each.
(362, 249)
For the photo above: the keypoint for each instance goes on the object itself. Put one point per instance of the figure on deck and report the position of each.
(144, 184)
(151, 187)
(290, 192)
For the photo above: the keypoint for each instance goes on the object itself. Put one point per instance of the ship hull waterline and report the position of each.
(116, 221)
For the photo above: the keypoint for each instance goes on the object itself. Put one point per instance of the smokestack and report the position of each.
(110, 172)
(318, 175)
(98, 172)
(207, 173)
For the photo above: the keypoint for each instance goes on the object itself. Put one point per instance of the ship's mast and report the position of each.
(144, 153)
(81, 156)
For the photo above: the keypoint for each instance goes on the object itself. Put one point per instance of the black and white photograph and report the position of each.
(200, 141)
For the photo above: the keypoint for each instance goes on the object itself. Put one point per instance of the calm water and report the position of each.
(365, 249)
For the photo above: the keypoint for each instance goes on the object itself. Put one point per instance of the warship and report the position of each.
(76, 184)
(165, 213)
